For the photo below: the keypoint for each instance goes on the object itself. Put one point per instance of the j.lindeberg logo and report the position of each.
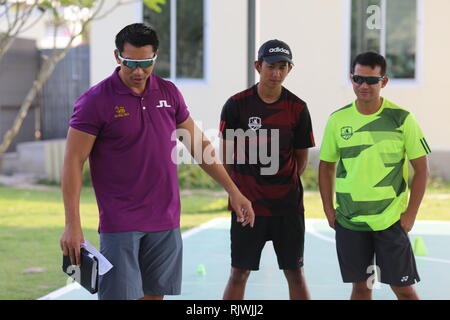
(278, 49)
(163, 104)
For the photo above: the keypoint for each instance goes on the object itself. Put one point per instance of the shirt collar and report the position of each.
(121, 88)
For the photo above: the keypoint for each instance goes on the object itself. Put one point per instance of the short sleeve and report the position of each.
(85, 116)
(182, 112)
(229, 118)
(329, 150)
(416, 145)
(303, 133)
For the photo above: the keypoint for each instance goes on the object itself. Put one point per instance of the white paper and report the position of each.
(103, 264)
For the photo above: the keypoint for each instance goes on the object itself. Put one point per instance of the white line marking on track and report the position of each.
(57, 293)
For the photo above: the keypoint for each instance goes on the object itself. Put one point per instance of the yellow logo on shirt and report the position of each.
(120, 112)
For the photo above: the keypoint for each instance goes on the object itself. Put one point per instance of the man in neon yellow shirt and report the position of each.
(371, 140)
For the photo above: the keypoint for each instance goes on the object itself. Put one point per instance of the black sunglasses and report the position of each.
(369, 80)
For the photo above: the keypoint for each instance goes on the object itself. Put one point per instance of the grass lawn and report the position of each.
(31, 223)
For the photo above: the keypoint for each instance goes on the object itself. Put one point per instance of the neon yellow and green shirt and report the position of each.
(372, 170)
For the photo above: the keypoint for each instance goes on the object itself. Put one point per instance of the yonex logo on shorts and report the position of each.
(404, 279)
(278, 49)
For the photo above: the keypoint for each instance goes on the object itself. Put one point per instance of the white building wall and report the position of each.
(103, 33)
(319, 35)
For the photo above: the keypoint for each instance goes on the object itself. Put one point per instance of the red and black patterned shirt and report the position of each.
(279, 193)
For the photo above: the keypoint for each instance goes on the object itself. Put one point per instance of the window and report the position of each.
(389, 28)
(180, 29)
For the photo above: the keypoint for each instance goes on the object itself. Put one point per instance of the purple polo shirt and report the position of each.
(134, 177)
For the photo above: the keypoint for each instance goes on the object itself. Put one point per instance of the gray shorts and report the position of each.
(144, 263)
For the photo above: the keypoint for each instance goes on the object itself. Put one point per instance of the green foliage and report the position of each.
(31, 224)
(193, 177)
(86, 179)
(48, 4)
(189, 177)
(53, 5)
(155, 4)
(45, 5)
(87, 182)
(310, 178)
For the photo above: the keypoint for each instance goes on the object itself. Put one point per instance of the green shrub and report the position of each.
(310, 179)
(193, 177)
(87, 182)
(86, 178)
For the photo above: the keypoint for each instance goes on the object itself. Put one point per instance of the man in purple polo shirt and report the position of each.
(125, 125)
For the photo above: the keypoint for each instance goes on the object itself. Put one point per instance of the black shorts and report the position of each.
(286, 232)
(389, 251)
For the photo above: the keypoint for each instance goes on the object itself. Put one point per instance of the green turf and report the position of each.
(31, 223)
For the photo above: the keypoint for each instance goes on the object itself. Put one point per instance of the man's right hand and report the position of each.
(243, 208)
(70, 242)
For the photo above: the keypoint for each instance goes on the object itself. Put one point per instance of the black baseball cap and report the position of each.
(275, 50)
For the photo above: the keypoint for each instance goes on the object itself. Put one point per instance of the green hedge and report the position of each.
(87, 182)
(310, 178)
(193, 177)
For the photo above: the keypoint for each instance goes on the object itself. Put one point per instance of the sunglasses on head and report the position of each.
(369, 80)
(137, 63)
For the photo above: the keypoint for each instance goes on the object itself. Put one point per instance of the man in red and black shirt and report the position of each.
(266, 132)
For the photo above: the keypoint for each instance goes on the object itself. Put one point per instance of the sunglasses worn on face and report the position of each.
(369, 80)
(137, 63)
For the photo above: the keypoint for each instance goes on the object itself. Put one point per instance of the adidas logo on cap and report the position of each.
(278, 49)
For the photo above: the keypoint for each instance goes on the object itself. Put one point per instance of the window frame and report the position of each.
(393, 82)
(173, 44)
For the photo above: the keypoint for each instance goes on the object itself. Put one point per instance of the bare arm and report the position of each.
(301, 156)
(78, 147)
(327, 171)
(418, 186)
(226, 159)
(204, 153)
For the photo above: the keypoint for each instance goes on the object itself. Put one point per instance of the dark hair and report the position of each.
(138, 35)
(371, 59)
